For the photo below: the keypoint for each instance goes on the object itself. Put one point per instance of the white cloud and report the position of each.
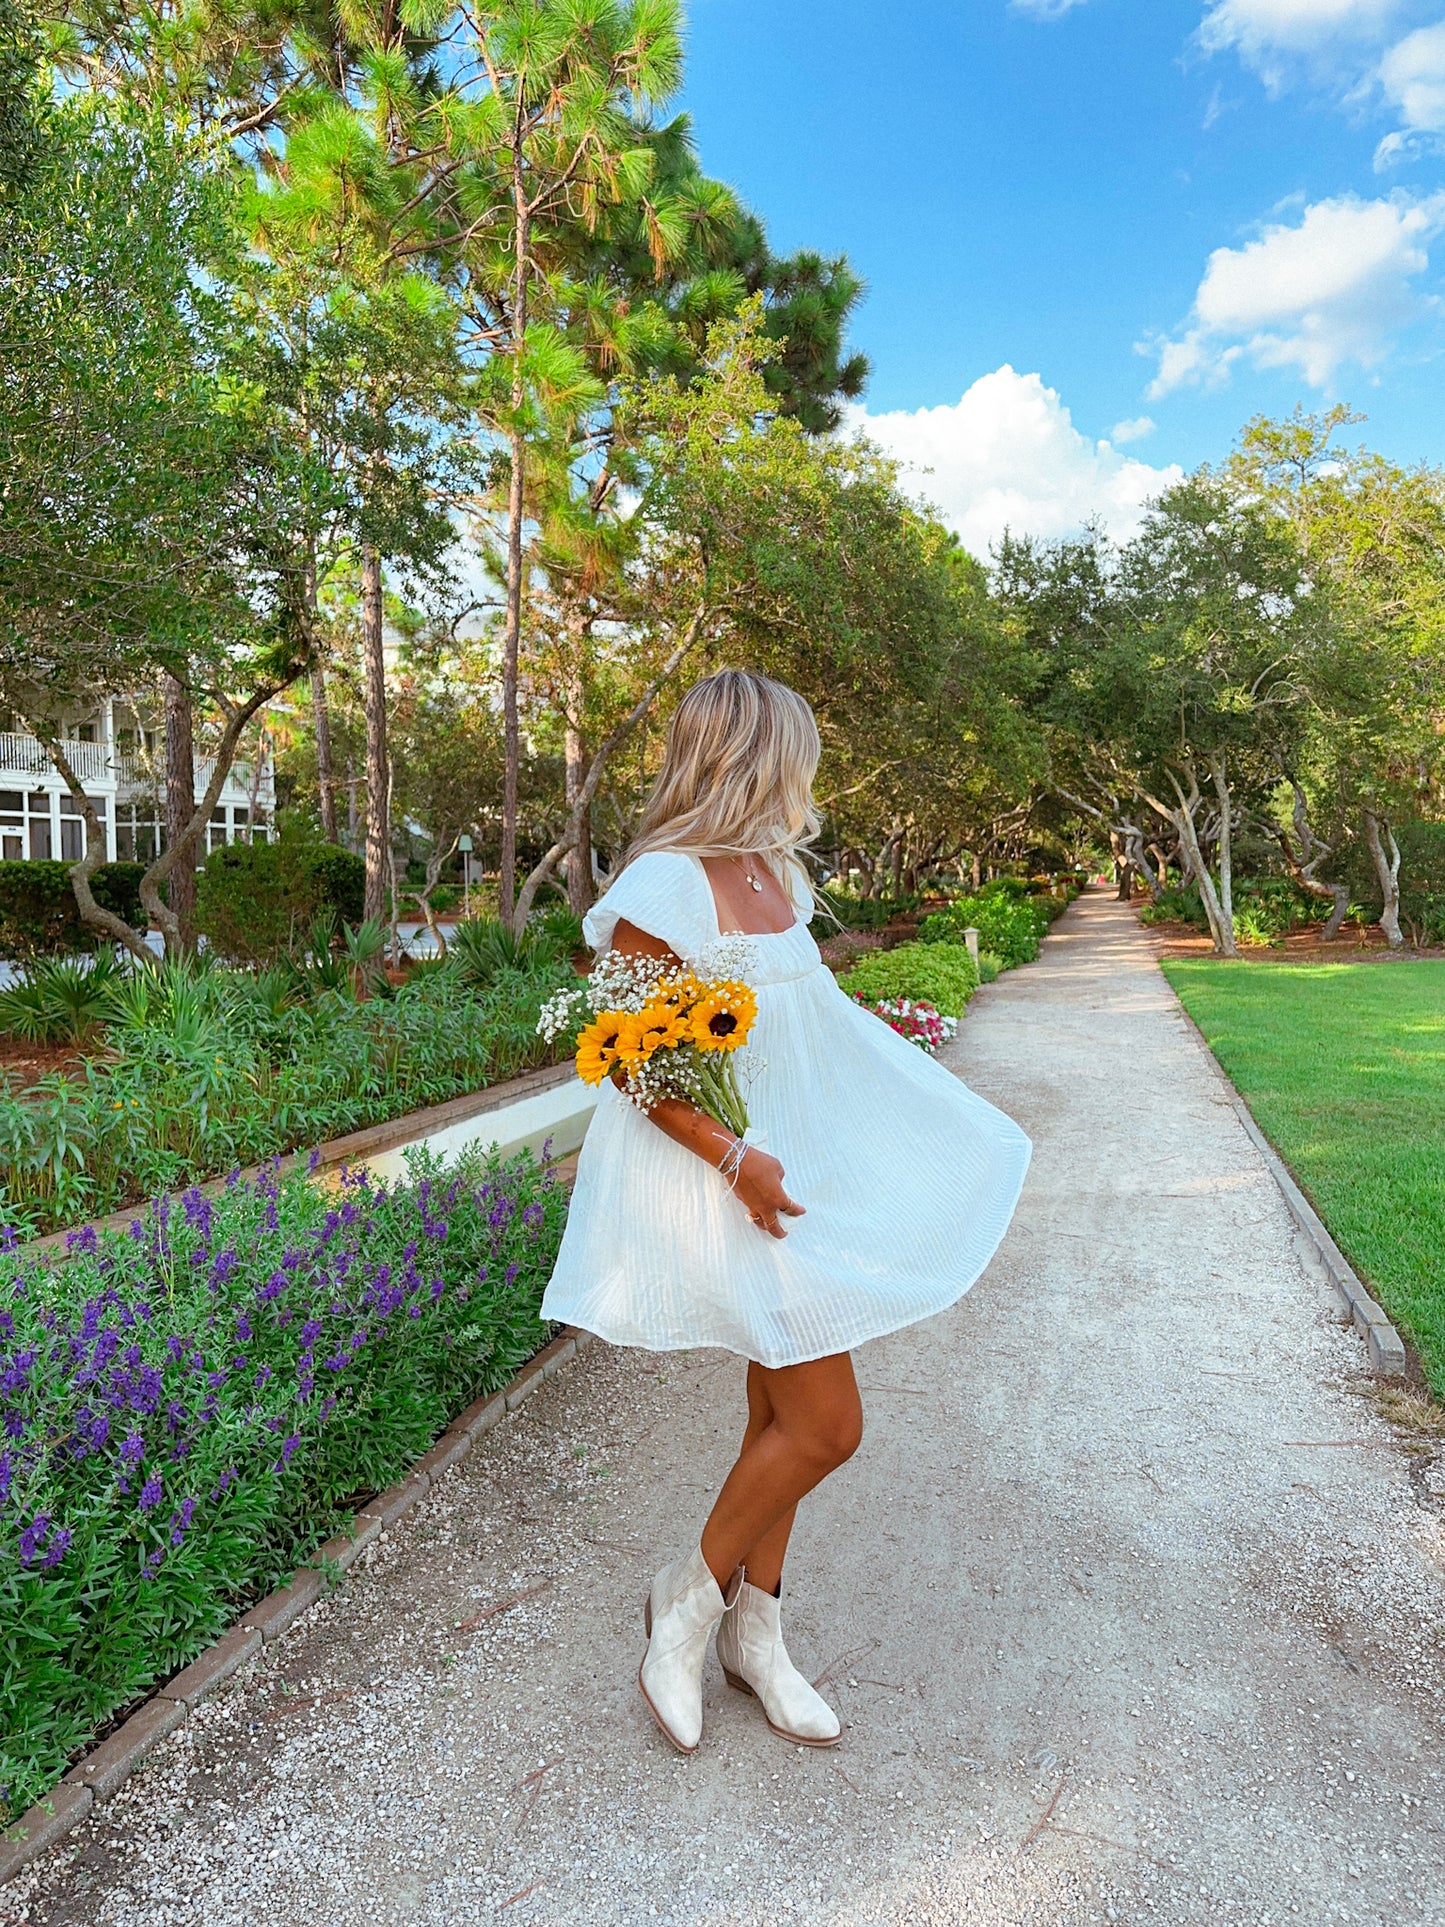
(1045, 9)
(1133, 430)
(1007, 455)
(1335, 288)
(1412, 74)
(1271, 35)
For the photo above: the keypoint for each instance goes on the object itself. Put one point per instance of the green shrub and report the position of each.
(989, 967)
(941, 974)
(1012, 927)
(1265, 908)
(208, 1068)
(192, 1409)
(858, 913)
(38, 912)
(256, 901)
(62, 1000)
(1176, 906)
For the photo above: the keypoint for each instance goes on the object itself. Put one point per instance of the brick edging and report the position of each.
(1383, 1343)
(104, 1770)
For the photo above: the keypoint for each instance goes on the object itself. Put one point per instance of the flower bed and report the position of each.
(192, 1406)
(922, 1024)
(201, 1070)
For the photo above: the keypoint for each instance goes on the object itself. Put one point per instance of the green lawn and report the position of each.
(1343, 1066)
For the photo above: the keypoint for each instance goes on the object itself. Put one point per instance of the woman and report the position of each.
(900, 1184)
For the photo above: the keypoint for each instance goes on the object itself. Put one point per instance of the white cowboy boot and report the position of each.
(755, 1660)
(683, 1607)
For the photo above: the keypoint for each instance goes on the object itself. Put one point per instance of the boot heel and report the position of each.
(737, 1680)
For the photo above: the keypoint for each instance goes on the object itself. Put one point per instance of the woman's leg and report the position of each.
(804, 1421)
(764, 1559)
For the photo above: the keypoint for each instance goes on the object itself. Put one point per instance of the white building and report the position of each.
(119, 755)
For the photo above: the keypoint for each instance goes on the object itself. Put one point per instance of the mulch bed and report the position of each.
(1353, 945)
(25, 1064)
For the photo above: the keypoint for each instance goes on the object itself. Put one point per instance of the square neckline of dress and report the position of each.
(717, 920)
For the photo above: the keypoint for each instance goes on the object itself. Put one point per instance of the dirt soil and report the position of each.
(1353, 945)
(23, 1065)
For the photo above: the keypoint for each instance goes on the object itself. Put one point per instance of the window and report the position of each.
(12, 826)
(138, 836)
(72, 826)
(85, 732)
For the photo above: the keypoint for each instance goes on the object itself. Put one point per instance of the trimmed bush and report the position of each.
(38, 912)
(256, 901)
(941, 974)
(1012, 927)
(193, 1407)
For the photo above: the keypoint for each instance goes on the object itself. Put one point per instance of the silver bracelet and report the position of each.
(731, 1161)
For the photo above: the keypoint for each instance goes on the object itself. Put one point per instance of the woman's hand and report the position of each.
(759, 1189)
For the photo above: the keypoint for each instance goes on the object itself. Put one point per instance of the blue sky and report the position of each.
(1100, 234)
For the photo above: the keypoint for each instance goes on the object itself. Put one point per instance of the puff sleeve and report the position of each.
(667, 894)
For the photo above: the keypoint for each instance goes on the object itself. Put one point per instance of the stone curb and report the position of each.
(104, 1770)
(1384, 1345)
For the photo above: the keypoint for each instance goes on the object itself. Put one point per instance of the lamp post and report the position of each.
(464, 844)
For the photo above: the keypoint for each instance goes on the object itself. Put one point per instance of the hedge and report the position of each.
(941, 974)
(255, 901)
(39, 916)
(1012, 927)
(192, 1407)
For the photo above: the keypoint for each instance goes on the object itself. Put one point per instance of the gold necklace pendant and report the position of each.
(751, 876)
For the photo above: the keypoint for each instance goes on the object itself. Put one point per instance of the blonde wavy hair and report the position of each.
(737, 773)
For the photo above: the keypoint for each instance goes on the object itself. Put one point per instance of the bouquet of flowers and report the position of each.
(921, 1024)
(660, 1033)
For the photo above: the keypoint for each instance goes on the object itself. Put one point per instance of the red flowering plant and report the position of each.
(921, 1024)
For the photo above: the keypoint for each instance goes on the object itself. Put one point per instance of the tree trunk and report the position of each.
(581, 891)
(325, 775)
(1312, 852)
(180, 808)
(516, 508)
(1385, 855)
(320, 709)
(1192, 857)
(1226, 838)
(378, 825)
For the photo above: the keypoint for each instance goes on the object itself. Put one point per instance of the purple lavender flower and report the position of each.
(132, 1449)
(57, 1549)
(150, 1493)
(181, 1519)
(30, 1538)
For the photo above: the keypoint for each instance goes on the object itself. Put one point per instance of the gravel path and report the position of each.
(1129, 1600)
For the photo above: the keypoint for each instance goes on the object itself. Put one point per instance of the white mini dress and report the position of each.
(909, 1177)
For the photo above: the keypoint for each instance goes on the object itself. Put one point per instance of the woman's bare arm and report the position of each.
(758, 1180)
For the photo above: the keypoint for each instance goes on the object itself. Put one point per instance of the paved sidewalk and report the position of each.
(1127, 1600)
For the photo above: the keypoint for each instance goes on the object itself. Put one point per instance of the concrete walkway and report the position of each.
(1128, 1601)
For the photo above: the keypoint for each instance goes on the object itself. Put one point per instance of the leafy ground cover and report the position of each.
(190, 1407)
(1343, 1067)
(189, 1070)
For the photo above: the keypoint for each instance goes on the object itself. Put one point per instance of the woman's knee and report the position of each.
(829, 1438)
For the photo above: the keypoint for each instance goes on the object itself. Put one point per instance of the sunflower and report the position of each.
(678, 993)
(598, 1046)
(654, 1028)
(723, 1016)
